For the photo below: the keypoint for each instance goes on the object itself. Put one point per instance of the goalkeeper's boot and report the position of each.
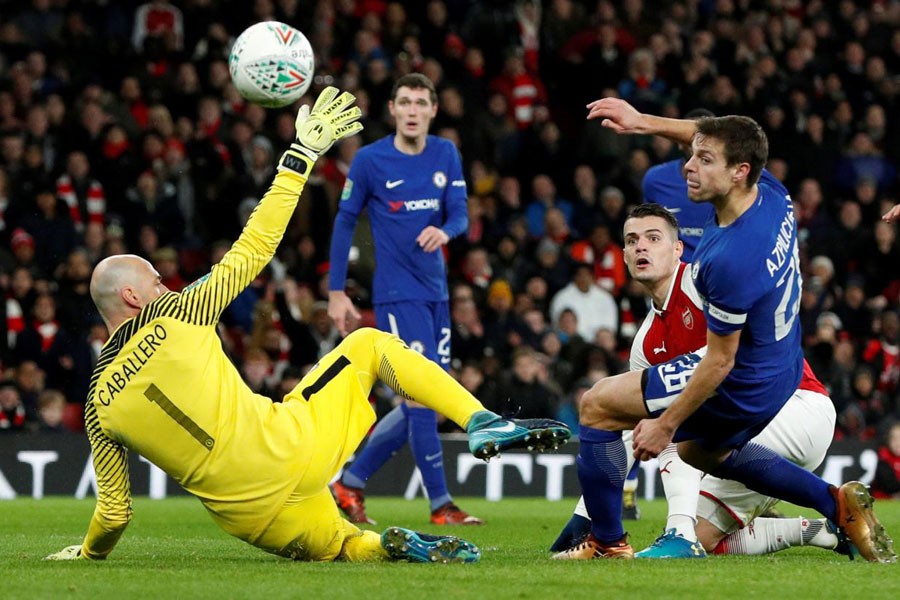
(857, 520)
(451, 514)
(352, 501)
(630, 510)
(672, 545)
(412, 546)
(591, 548)
(491, 434)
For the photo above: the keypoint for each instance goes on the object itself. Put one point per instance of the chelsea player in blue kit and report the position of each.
(746, 269)
(412, 185)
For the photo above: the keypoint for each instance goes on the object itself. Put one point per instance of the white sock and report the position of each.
(581, 509)
(627, 438)
(681, 483)
(764, 536)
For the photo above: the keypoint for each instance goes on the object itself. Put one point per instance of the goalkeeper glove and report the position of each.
(68, 553)
(330, 119)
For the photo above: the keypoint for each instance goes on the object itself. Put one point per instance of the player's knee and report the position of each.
(362, 335)
(362, 339)
(593, 410)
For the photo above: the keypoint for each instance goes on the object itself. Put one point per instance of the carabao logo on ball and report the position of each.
(272, 64)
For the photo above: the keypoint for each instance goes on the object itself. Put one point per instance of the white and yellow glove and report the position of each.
(68, 553)
(330, 119)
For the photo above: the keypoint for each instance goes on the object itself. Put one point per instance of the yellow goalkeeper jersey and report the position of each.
(163, 387)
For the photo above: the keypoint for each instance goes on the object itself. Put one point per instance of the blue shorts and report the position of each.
(424, 326)
(729, 419)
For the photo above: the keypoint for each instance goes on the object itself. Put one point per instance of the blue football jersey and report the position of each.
(403, 194)
(664, 184)
(748, 274)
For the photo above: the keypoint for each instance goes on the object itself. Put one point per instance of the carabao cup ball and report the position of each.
(271, 64)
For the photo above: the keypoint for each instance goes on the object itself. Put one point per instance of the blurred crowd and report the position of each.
(120, 131)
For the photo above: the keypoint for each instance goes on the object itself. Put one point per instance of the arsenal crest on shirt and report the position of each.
(688, 318)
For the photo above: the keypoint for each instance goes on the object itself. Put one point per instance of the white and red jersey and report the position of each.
(679, 327)
(676, 328)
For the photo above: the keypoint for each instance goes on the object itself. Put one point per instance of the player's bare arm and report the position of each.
(893, 215)
(622, 117)
(432, 238)
(651, 436)
(342, 311)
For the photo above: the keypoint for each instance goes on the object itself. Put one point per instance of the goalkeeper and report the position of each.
(163, 387)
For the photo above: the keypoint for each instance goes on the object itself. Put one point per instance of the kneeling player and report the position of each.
(802, 432)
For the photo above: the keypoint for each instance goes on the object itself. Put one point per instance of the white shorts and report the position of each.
(801, 432)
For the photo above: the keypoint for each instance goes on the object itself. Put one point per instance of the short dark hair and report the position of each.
(743, 138)
(652, 209)
(415, 81)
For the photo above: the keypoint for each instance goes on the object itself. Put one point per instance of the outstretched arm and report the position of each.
(893, 215)
(330, 119)
(621, 117)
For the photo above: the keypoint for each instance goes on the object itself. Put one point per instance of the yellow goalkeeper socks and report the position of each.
(415, 377)
(362, 545)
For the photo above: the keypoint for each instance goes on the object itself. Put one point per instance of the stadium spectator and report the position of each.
(882, 353)
(51, 405)
(593, 306)
(77, 312)
(158, 19)
(552, 265)
(523, 391)
(12, 410)
(53, 232)
(886, 483)
(31, 380)
(544, 197)
(60, 353)
(468, 336)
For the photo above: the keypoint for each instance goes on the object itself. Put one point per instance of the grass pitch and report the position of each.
(172, 549)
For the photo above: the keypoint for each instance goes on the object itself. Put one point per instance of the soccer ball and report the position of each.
(271, 64)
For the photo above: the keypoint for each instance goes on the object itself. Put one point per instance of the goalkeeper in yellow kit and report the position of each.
(163, 387)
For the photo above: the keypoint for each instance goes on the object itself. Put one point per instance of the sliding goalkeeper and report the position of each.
(163, 387)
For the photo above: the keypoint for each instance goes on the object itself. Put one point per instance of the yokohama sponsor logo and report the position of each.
(414, 205)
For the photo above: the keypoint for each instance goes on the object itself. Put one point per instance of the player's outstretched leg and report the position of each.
(763, 471)
(412, 546)
(413, 376)
(857, 519)
(490, 434)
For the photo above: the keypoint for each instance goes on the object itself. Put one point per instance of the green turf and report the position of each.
(173, 550)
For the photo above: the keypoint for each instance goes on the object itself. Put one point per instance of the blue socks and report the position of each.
(601, 466)
(763, 471)
(386, 439)
(426, 449)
